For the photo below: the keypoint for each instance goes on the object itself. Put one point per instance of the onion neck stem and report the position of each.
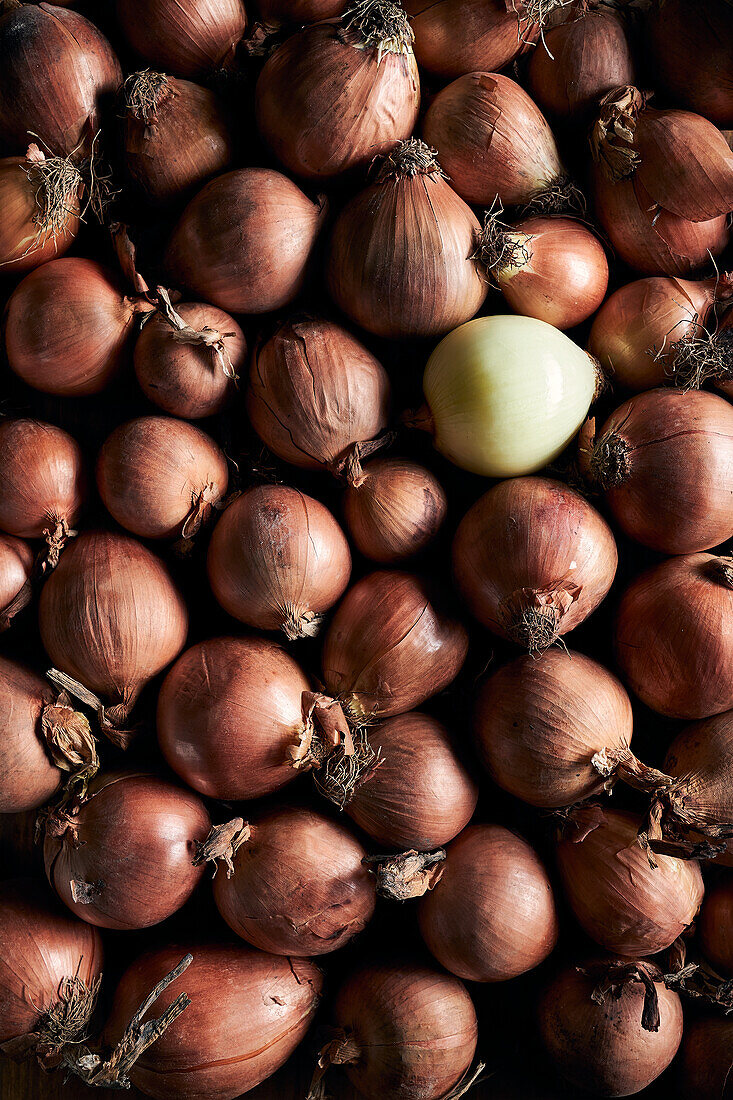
(420, 420)
(379, 25)
(407, 875)
(410, 158)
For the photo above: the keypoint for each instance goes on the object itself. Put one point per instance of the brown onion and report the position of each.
(690, 58)
(389, 647)
(316, 394)
(161, 478)
(175, 134)
(278, 560)
(58, 77)
(248, 1011)
(16, 566)
(68, 327)
(394, 509)
(715, 926)
(41, 202)
(610, 1026)
(243, 242)
(706, 1056)
(298, 884)
(297, 12)
(665, 462)
(421, 795)
(517, 581)
(538, 725)
(184, 37)
(30, 778)
(617, 897)
(699, 759)
(111, 617)
(400, 261)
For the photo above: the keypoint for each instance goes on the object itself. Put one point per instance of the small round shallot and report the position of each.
(16, 566)
(186, 37)
(394, 508)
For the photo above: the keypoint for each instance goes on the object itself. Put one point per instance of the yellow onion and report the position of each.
(184, 37)
(41, 202)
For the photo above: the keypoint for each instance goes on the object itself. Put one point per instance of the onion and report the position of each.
(401, 1030)
(111, 617)
(184, 37)
(610, 1026)
(278, 561)
(665, 461)
(187, 358)
(554, 269)
(58, 78)
(316, 394)
(246, 1015)
(394, 509)
(491, 916)
(338, 93)
(30, 778)
(494, 141)
(297, 12)
(243, 242)
(161, 478)
(68, 327)
(532, 559)
(298, 884)
(41, 201)
(617, 897)
(538, 725)
(583, 60)
(421, 795)
(715, 927)
(50, 967)
(699, 761)
(505, 395)
(400, 261)
(16, 566)
(389, 647)
(175, 133)
(689, 53)
(705, 1057)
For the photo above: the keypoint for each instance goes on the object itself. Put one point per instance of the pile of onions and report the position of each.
(16, 567)
(707, 1045)
(111, 617)
(187, 359)
(41, 202)
(505, 395)
(494, 141)
(518, 582)
(30, 778)
(665, 462)
(229, 713)
(715, 927)
(674, 636)
(299, 886)
(278, 560)
(583, 60)
(161, 478)
(50, 967)
(394, 509)
(247, 1013)
(610, 1027)
(421, 795)
(316, 394)
(538, 725)
(554, 269)
(619, 899)
(690, 55)
(338, 93)
(401, 1030)
(175, 135)
(243, 242)
(454, 37)
(401, 261)
(390, 647)
(184, 37)
(491, 916)
(59, 75)
(68, 327)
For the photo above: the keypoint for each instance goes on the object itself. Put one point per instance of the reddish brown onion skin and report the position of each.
(705, 1058)
(243, 242)
(186, 37)
(414, 1027)
(535, 534)
(188, 380)
(229, 712)
(538, 724)
(43, 480)
(690, 57)
(24, 244)
(299, 885)
(394, 509)
(617, 897)
(278, 560)
(389, 648)
(248, 1012)
(16, 567)
(40, 945)
(715, 927)
(296, 12)
(29, 777)
(314, 392)
(602, 1046)
(133, 841)
(161, 478)
(453, 37)
(492, 914)
(421, 795)
(700, 757)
